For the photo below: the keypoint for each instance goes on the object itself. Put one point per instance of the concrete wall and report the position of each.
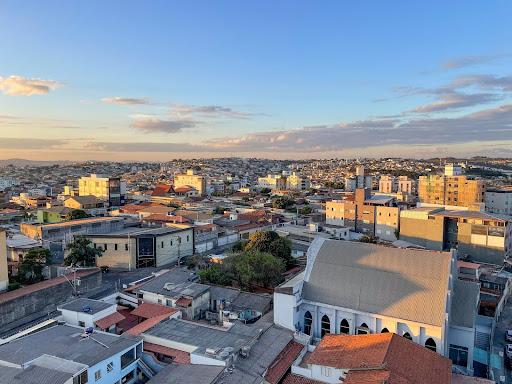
(426, 233)
(116, 258)
(34, 304)
(4, 276)
(167, 253)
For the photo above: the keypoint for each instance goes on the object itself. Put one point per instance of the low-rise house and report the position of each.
(80, 357)
(136, 247)
(379, 358)
(52, 215)
(90, 204)
(89, 313)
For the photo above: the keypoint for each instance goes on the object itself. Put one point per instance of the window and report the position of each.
(127, 358)
(97, 375)
(115, 247)
(407, 335)
(162, 244)
(171, 243)
(344, 327)
(363, 329)
(104, 247)
(431, 344)
(110, 366)
(325, 326)
(81, 324)
(384, 330)
(81, 378)
(188, 238)
(458, 355)
(128, 377)
(308, 320)
(326, 371)
(126, 247)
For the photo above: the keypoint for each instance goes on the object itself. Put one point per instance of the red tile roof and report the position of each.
(406, 361)
(162, 190)
(183, 302)
(149, 310)
(371, 377)
(147, 324)
(179, 357)
(107, 321)
(283, 362)
(295, 379)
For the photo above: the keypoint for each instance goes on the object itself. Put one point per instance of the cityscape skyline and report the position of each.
(281, 81)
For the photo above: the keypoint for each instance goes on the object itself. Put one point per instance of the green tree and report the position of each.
(31, 268)
(261, 240)
(215, 274)
(271, 242)
(82, 253)
(267, 270)
(76, 214)
(305, 210)
(283, 202)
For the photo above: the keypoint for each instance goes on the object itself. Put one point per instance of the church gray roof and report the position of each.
(408, 284)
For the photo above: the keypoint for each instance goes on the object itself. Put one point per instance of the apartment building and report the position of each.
(136, 247)
(388, 184)
(109, 189)
(295, 182)
(359, 180)
(358, 288)
(273, 182)
(405, 185)
(4, 275)
(65, 354)
(191, 179)
(480, 236)
(499, 200)
(363, 212)
(451, 189)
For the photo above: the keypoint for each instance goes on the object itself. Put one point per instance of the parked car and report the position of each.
(508, 335)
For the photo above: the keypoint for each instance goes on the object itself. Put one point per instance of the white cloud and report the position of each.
(151, 124)
(183, 110)
(22, 86)
(125, 100)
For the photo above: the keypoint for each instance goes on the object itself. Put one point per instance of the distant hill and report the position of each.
(32, 163)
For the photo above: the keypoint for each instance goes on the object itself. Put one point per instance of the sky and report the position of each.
(159, 80)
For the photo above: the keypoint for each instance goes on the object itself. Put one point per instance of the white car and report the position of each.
(508, 335)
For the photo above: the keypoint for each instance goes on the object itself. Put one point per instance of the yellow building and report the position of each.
(451, 191)
(4, 275)
(109, 189)
(190, 179)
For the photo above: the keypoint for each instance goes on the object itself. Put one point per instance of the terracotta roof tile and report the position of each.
(295, 379)
(283, 362)
(183, 302)
(406, 361)
(178, 356)
(107, 321)
(147, 324)
(149, 310)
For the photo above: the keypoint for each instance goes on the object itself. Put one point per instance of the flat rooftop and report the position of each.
(202, 336)
(138, 232)
(64, 341)
(88, 306)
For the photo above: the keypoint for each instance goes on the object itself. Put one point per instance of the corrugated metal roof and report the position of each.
(407, 284)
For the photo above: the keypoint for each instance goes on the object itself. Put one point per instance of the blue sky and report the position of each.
(156, 80)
